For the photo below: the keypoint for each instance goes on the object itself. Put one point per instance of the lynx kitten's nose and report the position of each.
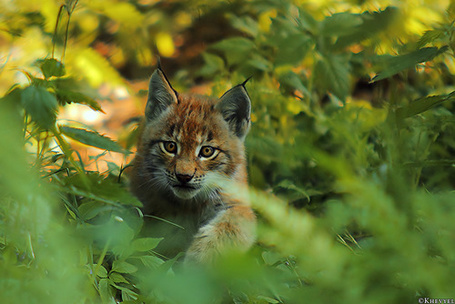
(184, 178)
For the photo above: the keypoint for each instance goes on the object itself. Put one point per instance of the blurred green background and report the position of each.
(351, 152)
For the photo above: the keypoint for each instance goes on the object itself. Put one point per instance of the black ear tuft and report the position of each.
(161, 95)
(235, 106)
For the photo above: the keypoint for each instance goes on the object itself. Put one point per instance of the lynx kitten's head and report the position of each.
(191, 144)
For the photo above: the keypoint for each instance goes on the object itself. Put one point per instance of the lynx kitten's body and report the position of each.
(189, 164)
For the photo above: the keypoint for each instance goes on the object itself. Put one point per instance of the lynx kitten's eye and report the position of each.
(168, 147)
(208, 152)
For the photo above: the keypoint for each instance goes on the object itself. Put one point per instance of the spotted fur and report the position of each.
(190, 162)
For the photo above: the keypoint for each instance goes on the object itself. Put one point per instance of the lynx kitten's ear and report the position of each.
(161, 95)
(235, 106)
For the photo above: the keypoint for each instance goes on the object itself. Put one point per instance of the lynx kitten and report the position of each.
(190, 162)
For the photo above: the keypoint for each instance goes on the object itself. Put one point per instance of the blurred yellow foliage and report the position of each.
(294, 106)
(265, 20)
(183, 19)
(95, 68)
(145, 56)
(87, 22)
(362, 113)
(165, 44)
(419, 18)
(122, 12)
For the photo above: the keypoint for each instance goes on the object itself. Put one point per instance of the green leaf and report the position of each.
(105, 291)
(245, 24)
(290, 81)
(394, 64)
(340, 24)
(151, 261)
(256, 176)
(292, 49)
(68, 90)
(272, 258)
(306, 21)
(235, 49)
(423, 104)
(67, 97)
(123, 267)
(259, 62)
(145, 244)
(102, 272)
(287, 184)
(40, 105)
(93, 139)
(372, 24)
(13, 98)
(431, 36)
(268, 299)
(213, 64)
(290, 42)
(264, 147)
(99, 189)
(117, 278)
(91, 209)
(332, 75)
(52, 67)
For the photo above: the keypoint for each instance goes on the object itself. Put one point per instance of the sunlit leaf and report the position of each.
(92, 138)
(52, 67)
(68, 97)
(68, 90)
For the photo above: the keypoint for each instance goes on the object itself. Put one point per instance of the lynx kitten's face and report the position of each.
(193, 150)
(192, 145)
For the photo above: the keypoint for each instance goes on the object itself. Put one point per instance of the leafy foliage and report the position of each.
(350, 154)
(92, 138)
